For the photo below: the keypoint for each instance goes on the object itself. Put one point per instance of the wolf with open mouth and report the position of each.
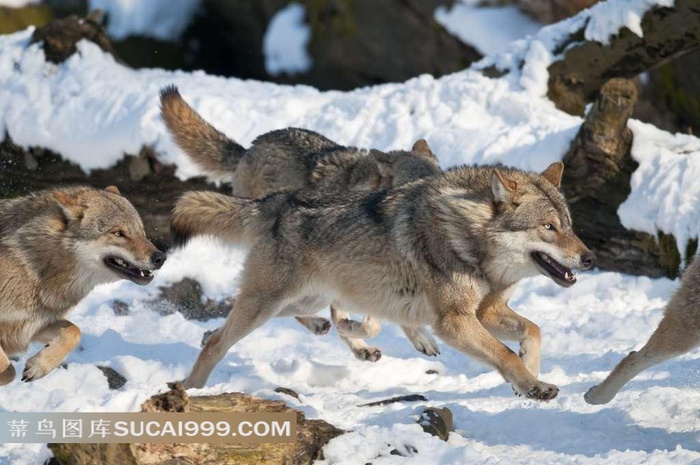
(445, 251)
(55, 247)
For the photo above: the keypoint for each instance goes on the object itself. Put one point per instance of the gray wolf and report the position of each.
(292, 159)
(445, 251)
(55, 247)
(677, 333)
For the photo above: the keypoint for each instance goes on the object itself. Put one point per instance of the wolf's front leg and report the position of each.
(60, 338)
(459, 327)
(501, 321)
(7, 370)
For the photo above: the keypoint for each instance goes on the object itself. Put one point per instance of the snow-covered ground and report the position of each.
(585, 329)
(92, 111)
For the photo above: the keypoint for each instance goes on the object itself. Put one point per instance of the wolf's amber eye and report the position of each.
(119, 233)
(549, 227)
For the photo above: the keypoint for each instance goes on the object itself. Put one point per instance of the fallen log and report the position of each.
(312, 435)
(574, 79)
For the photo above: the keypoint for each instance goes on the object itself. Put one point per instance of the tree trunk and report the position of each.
(597, 180)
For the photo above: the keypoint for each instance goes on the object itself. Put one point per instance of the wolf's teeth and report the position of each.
(143, 275)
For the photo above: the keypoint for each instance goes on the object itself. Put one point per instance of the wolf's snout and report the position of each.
(158, 258)
(587, 260)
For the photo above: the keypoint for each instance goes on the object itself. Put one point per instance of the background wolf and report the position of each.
(55, 247)
(291, 159)
(677, 333)
(445, 251)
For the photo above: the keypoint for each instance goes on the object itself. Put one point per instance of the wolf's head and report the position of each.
(532, 229)
(400, 167)
(107, 237)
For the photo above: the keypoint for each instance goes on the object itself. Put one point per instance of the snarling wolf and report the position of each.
(292, 159)
(677, 333)
(444, 251)
(55, 247)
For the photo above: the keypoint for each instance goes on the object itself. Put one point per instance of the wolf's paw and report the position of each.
(35, 368)
(368, 354)
(425, 344)
(7, 375)
(540, 391)
(596, 396)
(320, 326)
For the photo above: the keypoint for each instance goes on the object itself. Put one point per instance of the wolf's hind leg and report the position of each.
(368, 328)
(316, 324)
(7, 370)
(359, 348)
(672, 338)
(250, 311)
(60, 338)
(422, 340)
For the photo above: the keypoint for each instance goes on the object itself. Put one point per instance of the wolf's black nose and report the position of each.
(588, 260)
(158, 258)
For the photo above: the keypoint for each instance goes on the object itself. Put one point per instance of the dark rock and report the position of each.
(120, 308)
(551, 11)
(393, 400)
(437, 421)
(431, 372)
(186, 297)
(115, 380)
(353, 42)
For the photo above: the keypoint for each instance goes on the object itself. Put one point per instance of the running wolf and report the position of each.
(292, 159)
(55, 247)
(677, 333)
(445, 251)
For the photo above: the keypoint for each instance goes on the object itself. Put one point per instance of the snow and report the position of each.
(665, 189)
(93, 110)
(18, 3)
(286, 42)
(159, 19)
(488, 29)
(586, 330)
(607, 18)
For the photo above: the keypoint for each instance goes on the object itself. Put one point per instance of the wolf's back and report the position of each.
(217, 155)
(232, 219)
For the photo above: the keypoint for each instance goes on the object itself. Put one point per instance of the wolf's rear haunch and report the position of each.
(232, 219)
(445, 251)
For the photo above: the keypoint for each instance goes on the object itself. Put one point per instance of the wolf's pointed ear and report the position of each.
(502, 187)
(421, 147)
(553, 173)
(113, 190)
(71, 208)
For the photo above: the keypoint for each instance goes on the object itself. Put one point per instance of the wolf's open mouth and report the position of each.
(128, 271)
(555, 270)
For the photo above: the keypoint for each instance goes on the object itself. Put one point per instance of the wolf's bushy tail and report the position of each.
(209, 148)
(232, 219)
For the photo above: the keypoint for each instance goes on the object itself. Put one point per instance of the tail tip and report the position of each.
(169, 92)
